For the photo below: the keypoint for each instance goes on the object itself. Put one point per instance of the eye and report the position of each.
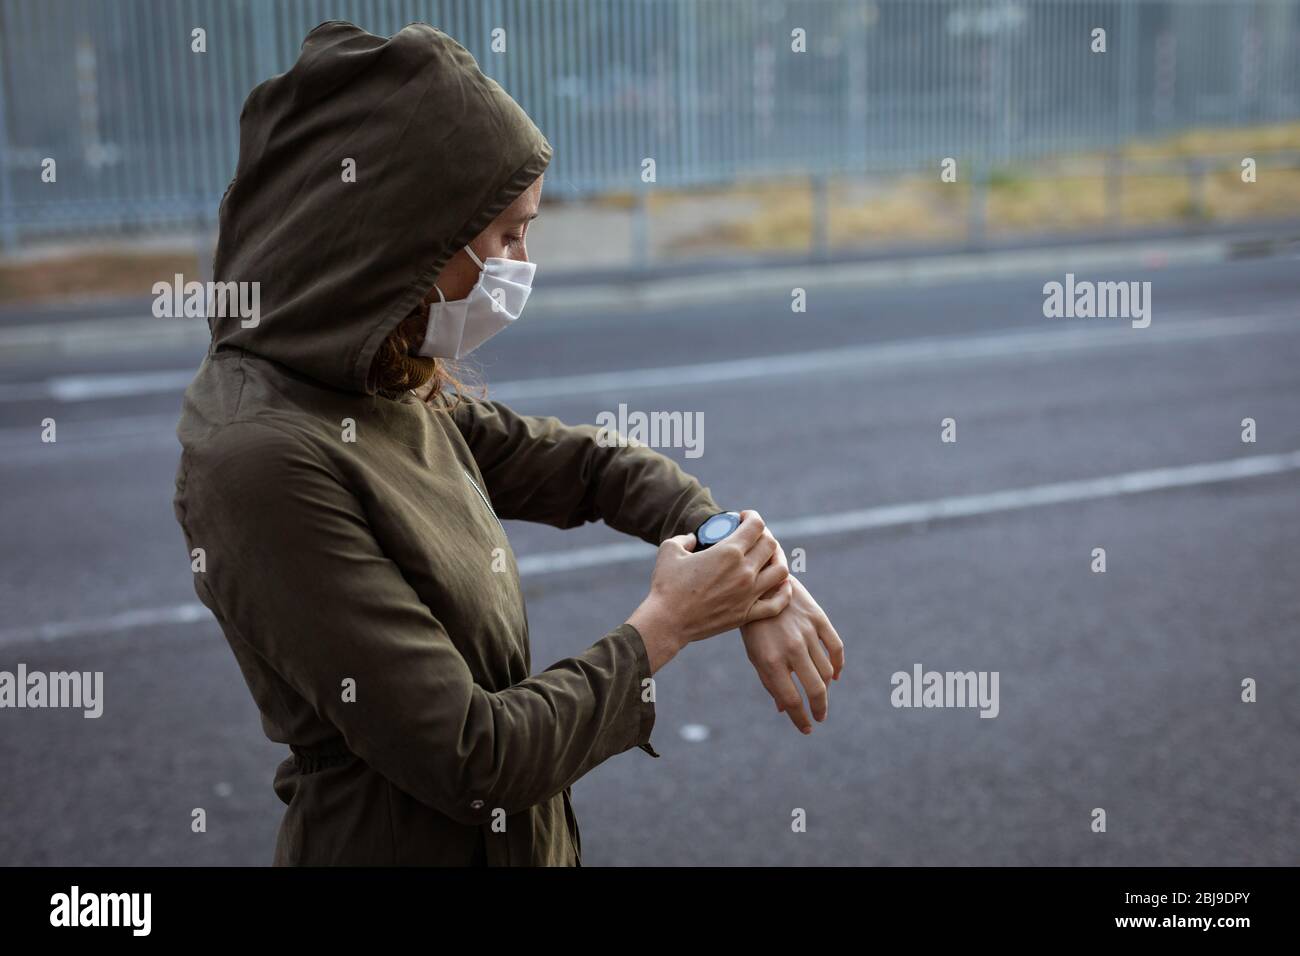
(514, 240)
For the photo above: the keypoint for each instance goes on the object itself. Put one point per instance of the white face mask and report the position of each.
(457, 328)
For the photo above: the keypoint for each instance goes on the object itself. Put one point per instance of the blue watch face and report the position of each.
(717, 528)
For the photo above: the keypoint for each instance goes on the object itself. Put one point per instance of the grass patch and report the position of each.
(90, 274)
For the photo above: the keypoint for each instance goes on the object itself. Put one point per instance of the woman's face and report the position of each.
(504, 238)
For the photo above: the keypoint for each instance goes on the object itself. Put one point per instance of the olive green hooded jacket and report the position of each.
(351, 547)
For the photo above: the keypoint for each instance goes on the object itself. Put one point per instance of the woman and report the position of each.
(344, 493)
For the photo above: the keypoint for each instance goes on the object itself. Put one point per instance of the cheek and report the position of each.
(456, 283)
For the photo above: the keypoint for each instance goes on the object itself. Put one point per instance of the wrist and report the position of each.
(660, 633)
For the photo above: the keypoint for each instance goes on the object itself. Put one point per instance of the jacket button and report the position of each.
(476, 804)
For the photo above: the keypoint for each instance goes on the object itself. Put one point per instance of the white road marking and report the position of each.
(1082, 335)
(890, 355)
(82, 388)
(193, 613)
(866, 519)
(92, 386)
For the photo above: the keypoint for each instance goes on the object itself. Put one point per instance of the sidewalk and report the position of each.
(128, 323)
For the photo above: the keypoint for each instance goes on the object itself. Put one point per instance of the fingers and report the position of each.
(756, 527)
(813, 685)
(781, 687)
(819, 657)
(826, 634)
(752, 539)
(830, 639)
(770, 577)
(779, 557)
(762, 552)
(683, 542)
(750, 529)
(769, 605)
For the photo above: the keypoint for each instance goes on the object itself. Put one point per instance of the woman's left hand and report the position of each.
(799, 640)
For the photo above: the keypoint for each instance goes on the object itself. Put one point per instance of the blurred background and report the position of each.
(756, 148)
(712, 157)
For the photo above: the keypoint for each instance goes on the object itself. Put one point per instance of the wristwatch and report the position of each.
(714, 528)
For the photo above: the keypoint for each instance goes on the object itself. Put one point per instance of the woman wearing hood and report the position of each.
(345, 493)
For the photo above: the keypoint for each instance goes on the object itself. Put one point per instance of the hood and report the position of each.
(440, 149)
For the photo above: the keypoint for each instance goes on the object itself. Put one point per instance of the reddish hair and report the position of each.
(396, 370)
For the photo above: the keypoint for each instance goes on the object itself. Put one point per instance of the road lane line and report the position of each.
(865, 519)
(93, 386)
(890, 355)
(192, 613)
(1085, 335)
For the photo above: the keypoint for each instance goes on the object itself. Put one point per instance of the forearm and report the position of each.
(538, 469)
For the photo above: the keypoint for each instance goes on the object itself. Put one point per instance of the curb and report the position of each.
(755, 281)
(117, 333)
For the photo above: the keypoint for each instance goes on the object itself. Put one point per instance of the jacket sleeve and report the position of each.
(539, 469)
(295, 572)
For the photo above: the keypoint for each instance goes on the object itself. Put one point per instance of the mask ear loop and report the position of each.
(429, 312)
(442, 300)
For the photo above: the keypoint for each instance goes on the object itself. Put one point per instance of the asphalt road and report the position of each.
(1118, 690)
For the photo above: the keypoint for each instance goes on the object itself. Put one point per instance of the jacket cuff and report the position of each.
(646, 707)
(694, 516)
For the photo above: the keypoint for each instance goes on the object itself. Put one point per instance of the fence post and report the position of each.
(821, 230)
(641, 230)
(975, 214)
(1115, 186)
(1196, 189)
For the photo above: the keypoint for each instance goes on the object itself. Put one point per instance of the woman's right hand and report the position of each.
(695, 596)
